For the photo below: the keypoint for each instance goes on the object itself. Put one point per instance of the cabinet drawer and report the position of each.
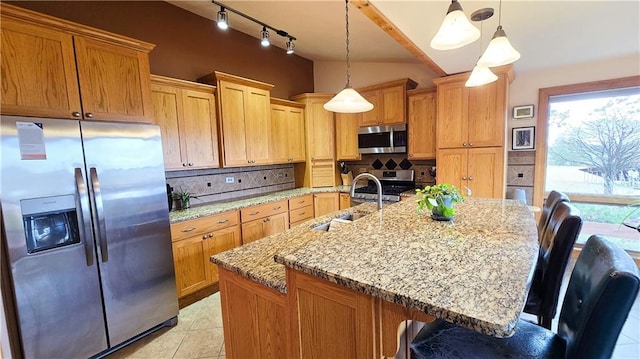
(263, 210)
(299, 202)
(207, 224)
(301, 214)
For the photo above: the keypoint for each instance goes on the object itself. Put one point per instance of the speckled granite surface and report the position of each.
(255, 260)
(473, 271)
(209, 209)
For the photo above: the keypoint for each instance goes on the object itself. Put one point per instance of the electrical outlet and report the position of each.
(279, 174)
(229, 180)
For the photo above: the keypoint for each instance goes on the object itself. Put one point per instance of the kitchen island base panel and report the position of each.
(254, 318)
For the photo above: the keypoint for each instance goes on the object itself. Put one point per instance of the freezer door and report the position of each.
(131, 216)
(47, 229)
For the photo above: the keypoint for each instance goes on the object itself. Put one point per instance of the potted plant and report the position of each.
(183, 198)
(439, 199)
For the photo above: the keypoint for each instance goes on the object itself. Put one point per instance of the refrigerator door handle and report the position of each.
(82, 203)
(98, 219)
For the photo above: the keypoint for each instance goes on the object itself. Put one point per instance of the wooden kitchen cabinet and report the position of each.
(319, 168)
(347, 136)
(472, 117)
(244, 106)
(324, 203)
(186, 114)
(345, 201)
(56, 68)
(194, 242)
(263, 220)
(287, 143)
(389, 101)
(422, 123)
(300, 209)
(478, 169)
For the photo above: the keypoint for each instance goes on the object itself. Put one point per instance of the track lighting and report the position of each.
(290, 46)
(223, 23)
(222, 19)
(264, 35)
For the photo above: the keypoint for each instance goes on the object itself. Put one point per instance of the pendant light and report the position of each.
(455, 31)
(348, 100)
(481, 75)
(499, 52)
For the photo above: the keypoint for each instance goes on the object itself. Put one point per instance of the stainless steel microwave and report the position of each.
(383, 139)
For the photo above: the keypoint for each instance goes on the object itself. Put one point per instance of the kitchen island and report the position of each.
(342, 293)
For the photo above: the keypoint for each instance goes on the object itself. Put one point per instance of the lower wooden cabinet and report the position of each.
(264, 220)
(325, 203)
(194, 242)
(345, 201)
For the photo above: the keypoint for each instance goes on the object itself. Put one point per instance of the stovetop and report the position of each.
(393, 184)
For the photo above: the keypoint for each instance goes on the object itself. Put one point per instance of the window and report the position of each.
(593, 154)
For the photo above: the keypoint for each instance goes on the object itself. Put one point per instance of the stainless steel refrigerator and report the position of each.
(86, 227)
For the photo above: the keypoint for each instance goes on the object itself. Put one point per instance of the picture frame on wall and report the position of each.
(522, 112)
(523, 138)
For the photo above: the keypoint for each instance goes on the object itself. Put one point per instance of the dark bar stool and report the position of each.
(550, 204)
(556, 244)
(603, 287)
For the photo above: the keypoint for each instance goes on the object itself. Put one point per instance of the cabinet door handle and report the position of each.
(224, 221)
(464, 178)
(75, 114)
(301, 202)
(184, 165)
(302, 213)
(254, 213)
(470, 143)
(210, 235)
(190, 164)
(188, 229)
(267, 219)
(88, 115)
(464, 144)
(277, 208)
(204, 236)
(470, 178)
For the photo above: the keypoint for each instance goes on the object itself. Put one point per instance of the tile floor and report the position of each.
(199, 335)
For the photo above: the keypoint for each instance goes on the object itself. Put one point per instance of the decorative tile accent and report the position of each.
(405, 164)
(521, 157)
(377, 164)
(391, 164)
(520, 175)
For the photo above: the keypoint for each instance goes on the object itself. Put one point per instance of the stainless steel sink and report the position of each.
(345, 217)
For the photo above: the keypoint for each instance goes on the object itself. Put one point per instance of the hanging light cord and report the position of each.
(500, 13)
(346, 11)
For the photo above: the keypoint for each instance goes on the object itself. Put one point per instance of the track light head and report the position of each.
(265, 37)
(290, 46)
(223, 19)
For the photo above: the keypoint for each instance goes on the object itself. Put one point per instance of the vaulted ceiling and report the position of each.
(546, 33)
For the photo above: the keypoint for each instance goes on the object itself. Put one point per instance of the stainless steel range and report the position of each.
(394, 182)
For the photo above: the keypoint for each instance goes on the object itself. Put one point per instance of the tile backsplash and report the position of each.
(220, 184)
(520, 173)
(394, 161)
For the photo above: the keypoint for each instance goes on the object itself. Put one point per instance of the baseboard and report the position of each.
(196, 296)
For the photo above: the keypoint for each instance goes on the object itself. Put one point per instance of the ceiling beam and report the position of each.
(392, 30)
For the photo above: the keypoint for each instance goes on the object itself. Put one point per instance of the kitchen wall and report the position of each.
(188, 46)
(331, 76)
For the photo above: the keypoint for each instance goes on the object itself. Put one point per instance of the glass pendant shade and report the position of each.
(499, 52)
(455, 31)
(222, 20)
(480, 76)
(348, 101)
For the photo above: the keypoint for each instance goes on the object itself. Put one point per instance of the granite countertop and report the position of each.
(255, 260)
(219, 207)
(473, 271)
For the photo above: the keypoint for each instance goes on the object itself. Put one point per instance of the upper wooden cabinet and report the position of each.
(319, 169)
(347, 136)
(56, 68)
(186, 114)
(472, 117)
(422, 123)
(389, 101)
(287, 142)
(244, 106)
